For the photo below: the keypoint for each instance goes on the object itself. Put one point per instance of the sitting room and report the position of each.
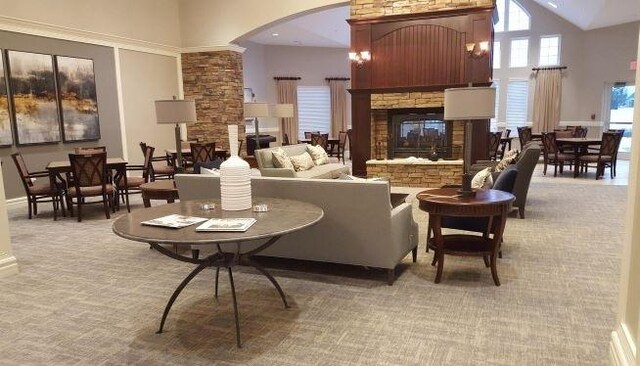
(319, 182)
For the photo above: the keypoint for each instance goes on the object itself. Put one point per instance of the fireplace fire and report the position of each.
(419, 133)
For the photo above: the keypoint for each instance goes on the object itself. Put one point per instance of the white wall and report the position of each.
(218, 23)
(146, 78)
(8, 263)
(313, 64)
(148, 20)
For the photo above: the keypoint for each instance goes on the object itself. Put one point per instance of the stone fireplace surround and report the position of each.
(417, 171)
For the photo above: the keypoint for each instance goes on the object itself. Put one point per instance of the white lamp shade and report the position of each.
(255, 110)
(469, 103)
(176, 111)
(282, 111)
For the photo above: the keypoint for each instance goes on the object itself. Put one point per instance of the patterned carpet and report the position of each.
(87, 297)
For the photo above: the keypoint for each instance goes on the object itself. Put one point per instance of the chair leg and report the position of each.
(80, 202)
(29, 203)
(555, 168)
(35, 206)
(414, 253)
(544, 170)
(106, 205)
(521, 212)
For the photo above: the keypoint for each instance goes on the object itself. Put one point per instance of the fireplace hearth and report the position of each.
(419, 132)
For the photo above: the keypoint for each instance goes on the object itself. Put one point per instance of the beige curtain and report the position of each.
(288, 94)
(546, 100)
(338, 90)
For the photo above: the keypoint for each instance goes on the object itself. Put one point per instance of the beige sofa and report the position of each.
(359, 226)
(264, 158)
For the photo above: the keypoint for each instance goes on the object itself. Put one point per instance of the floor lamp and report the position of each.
(176, 111)
(255, 111)
(282, 111)
(472, 104)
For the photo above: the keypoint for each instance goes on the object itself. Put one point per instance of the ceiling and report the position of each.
(328, 28)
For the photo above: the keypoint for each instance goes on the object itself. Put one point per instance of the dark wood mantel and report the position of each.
(422, 52)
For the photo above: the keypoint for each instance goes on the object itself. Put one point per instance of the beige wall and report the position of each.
(217, 23)
(146, 78)
(7, 261)
(149, 20)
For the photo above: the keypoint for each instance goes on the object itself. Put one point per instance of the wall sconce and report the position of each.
(477, 50)
(360, 57)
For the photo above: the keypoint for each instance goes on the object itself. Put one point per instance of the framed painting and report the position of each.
(78, 99)
(6, 138)
(33, 97)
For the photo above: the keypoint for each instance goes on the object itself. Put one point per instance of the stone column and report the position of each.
(214, 80)
(8, 263)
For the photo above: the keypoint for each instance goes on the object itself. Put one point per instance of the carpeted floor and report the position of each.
(87, 297)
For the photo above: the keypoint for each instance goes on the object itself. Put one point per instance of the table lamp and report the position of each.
(469, 104)
(176, 111)
(282, 111)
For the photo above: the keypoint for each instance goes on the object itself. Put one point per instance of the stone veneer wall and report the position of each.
(363, 9)
(417, 175)
(380, 103)
(214, 80)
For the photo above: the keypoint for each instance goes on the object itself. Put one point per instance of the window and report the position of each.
(496, 55)
(549, 50)
(517, 103)
(518, 17)
(494, 121)
(314, 109)
(621, 112)
(499, 26)
(519, 52)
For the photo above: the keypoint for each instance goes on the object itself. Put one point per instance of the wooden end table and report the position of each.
(159, 190)
(492, 203)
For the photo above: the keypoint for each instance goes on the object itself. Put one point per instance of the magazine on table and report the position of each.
(238, 224)
(174, 221)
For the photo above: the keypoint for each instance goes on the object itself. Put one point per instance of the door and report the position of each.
(620, 114)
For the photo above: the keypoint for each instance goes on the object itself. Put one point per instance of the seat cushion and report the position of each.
(593, 158)
(41, 189)
(563, 156)
(90, 191)
(326, 171)
(131, 182)
(163, 168)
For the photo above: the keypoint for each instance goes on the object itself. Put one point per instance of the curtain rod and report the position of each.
(338, 78)
(287, 78)
(549, 68)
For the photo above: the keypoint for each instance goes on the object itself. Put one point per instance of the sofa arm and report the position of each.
(404, 231)
(278, 172)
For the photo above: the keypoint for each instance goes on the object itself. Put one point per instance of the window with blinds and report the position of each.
(314, 109)
(494, 121)
(517, 104)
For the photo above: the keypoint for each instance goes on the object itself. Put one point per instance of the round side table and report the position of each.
(446, 202)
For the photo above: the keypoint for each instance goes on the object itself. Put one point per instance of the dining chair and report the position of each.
(307, 134)
(494, 144)
(524, 135)
(553, 155)
(240, 142)
(162, 166)
(201, 153)
(40, 191)
(580, 131)
(285, 140)
(90, 179)
(349, 134)
(615, 156)
(318, 139)
(503, 144)
(605, 157)
(125, 184)
(342, 143)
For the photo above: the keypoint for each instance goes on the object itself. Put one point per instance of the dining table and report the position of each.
(579, 145)
(186, 153)
(332, 142)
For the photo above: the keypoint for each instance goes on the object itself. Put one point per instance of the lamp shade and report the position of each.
(255, 110)
(469, 103)
(176, 111)
(282, 111)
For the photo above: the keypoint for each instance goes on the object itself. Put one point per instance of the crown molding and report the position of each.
(78, 35)
(229, 47)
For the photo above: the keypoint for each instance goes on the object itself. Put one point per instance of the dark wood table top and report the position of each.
(450, 196)
(65, 164)
(284, 216)
(187, 150)
(579, 141)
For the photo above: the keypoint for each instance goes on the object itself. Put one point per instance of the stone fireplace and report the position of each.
(417, 50)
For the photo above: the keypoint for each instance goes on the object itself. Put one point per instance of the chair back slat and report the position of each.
(609, 143)
(494, 143)
(524, 133)
(549, 143)
(507, 132)
(22, 169)
(201, 153)
(319, 139)
(89, 169)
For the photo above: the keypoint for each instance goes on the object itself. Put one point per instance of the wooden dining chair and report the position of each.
(318, 139)
(90, 179)
(307, 134)
(201, 153)
(553, 155)
(605, 156)
(285, 140)
(494, 144)
(162, 165)
(38, 188)
(524, 135)
(126, 184)
(342, 143)
(349, 135)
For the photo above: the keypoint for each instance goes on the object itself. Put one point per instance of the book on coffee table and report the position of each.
(174, 221)
(238, 224)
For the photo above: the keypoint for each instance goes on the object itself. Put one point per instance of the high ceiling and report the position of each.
(328, 28)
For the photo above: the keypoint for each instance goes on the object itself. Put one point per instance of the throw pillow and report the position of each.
(281, 159)
(302, 162)
(318, 154)
(509, 158)
(482, 180)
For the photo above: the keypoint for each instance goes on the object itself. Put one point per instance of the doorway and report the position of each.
(620, 113)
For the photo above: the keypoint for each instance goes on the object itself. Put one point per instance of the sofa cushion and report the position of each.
(281, 159)
(302, 162)
(318, 154)
(482, 180)
(321, 171)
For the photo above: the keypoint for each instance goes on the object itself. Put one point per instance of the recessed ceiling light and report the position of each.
(275, 34)
(552, 4)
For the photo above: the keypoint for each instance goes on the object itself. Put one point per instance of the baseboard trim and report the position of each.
(17, 201)
(622, 347)
(8, 266)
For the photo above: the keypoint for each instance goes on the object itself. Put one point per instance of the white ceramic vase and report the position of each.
(235, 178)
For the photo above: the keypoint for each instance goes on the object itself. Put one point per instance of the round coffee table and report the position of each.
(284, 217)
(164, 189)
